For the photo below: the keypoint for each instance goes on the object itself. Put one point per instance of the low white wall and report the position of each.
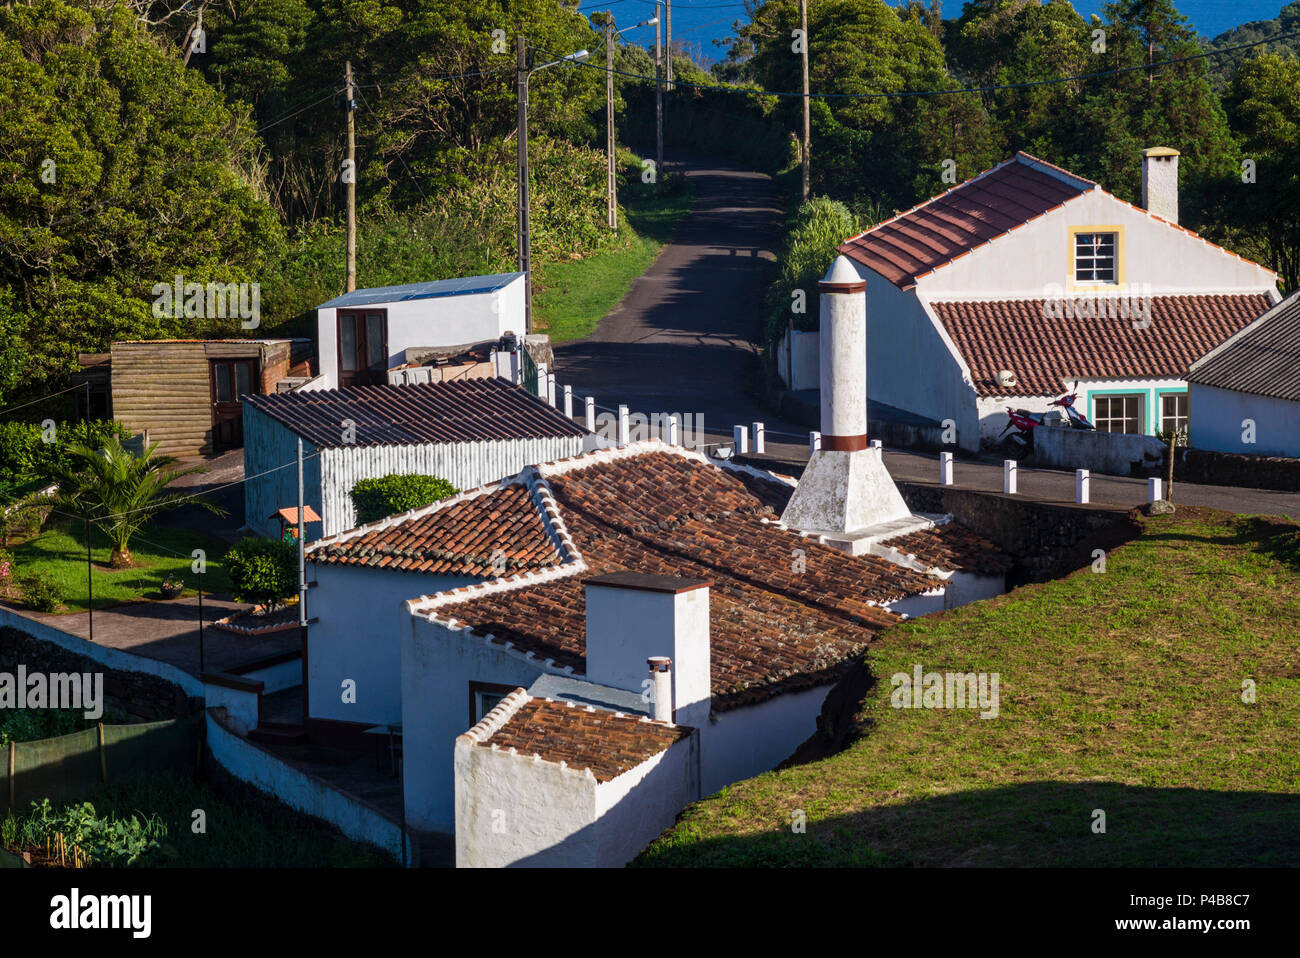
(249, 763)
(1217, 416)
(966, 587)
(635, 808)
(800, 366)
(241, 706)
(110, 658)
(277, 678)
(740, 743)
(1109, 453)
(993, 413)
(912, 606)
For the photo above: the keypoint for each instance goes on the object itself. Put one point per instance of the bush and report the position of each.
(25, 455)
(375, 499)
(264, 571)
(41, 591)
(818, 228)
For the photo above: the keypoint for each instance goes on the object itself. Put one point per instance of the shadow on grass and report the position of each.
(1040, 824)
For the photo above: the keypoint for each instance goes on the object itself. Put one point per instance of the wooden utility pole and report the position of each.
(807, 136)
(192, 37)
(521, 87)
(668, 41)
(350, 182)
(659, 110)
(612, 184)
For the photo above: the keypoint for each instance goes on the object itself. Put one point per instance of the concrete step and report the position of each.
(279, 733)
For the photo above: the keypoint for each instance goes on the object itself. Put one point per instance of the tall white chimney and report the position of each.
(845, 493)
(1160, 182)
(661, 686)
(633, 617)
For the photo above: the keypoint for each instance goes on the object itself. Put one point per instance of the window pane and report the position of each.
(221, 376)
(1094, 257)
(1174, 412)
(487, 701)
(243, 379)
(348, 343)
(1120, 414)
(375, 342)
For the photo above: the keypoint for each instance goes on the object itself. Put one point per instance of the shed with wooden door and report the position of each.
(187, 394)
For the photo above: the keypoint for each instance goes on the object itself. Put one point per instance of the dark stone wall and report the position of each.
(140, 696)
(1232, 469)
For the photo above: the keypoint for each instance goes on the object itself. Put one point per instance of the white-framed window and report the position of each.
(1122, 412)
(1095, 257)
(1174, 409)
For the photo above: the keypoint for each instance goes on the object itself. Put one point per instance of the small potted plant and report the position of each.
(172, 587)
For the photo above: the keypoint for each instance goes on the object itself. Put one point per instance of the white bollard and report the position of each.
(1009, 476)
(674, 430)
(1153, 489)
(622, 426)
(591, 414)
(945, 468)
(740, 435)
(876, 444)
(550, 389)
(1082, 482)
(541, 381)
(759, 444)
(568, 402)
(814, 442)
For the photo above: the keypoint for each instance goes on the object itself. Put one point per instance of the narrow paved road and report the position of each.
(683, 340)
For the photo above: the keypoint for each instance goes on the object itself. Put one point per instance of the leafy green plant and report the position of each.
(110, 840)
(816, 229)
(374, 499)
(41, 591)
(30, 725)
(120, 491)
(264, 571)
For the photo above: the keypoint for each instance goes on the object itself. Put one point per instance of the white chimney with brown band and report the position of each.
(843, 346)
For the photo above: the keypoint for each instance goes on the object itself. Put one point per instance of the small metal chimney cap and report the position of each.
(659, 663)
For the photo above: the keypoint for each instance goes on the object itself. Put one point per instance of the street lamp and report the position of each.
(522, 73)
(611, 189)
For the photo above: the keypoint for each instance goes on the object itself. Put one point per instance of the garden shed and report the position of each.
(469, 432)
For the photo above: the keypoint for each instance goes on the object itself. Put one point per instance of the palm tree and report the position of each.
(120, 491)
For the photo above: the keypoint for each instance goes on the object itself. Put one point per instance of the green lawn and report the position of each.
(569, 298)
(158, 551)
(1120, 691)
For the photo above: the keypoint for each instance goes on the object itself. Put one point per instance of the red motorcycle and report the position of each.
(1025, 422)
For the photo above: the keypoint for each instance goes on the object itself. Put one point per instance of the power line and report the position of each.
(5, 412)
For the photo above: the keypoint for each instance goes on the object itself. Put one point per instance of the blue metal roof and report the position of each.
(460, 286)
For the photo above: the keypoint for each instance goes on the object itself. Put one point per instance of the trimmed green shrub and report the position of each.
(41, 591)
(264, 571)
(375, 499)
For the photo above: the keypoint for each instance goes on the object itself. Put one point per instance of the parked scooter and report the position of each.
(1025, 422)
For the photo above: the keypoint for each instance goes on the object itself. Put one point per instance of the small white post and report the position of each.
(550, 389)
(591, 414)
(622, 426)
(945, 468)
(1082, 481)
(814, 442)
(1009, 476)
(1153, 489)
(674, 430)
(541, 381)
(759, 436)
(741, 436)
(876, 444)
(568, 402)
(516, 369)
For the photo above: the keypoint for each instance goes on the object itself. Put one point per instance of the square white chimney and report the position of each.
(634, 616)
(1160, 182)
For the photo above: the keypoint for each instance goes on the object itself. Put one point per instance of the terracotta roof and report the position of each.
(464, 410)
(953, 223)
(492, 533)
(1044, 352)
(608, 743)
(952, 546)
(1263, 359)
(652, 509)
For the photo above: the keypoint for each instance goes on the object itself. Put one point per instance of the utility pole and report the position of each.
(90, 580)
(525, 257)
(350, 181)
(668, 41)
(807, 137)
(659, 111)
(302, 585)
(612, 185)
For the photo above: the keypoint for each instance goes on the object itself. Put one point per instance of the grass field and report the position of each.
(569, 298)
(1120, 692)
(158, 551)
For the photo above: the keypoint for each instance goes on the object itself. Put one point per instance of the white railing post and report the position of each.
(1009, 476)
(1082, 482)
(674, 430)
(550, 389)
(568, 402)
(741, 436)
(622, 426)
(541, 381)
(759, 437)
(814, 442)
(591, 414)
(1153, 489)
(945, 468)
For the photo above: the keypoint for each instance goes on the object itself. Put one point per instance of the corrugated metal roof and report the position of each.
(460, 286)
(967, 216)
(459, 411)
(1263, 358)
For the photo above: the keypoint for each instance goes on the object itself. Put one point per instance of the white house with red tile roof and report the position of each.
(1009, 288)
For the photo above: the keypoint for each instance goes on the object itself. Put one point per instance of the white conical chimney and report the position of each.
(845, 494)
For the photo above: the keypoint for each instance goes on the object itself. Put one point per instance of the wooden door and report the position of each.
(232, 380)
(363, 347)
